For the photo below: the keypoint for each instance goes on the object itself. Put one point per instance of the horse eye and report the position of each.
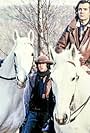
(32, 54)
(14, 54)
(76, 77)
(73, 79)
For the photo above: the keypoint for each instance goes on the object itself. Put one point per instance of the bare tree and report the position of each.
(36, 16)
(47, 21)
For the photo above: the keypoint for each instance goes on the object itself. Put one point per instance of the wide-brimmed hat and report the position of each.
(43, 59)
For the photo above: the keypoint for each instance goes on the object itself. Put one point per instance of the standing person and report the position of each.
(78, 32)
(41, 102)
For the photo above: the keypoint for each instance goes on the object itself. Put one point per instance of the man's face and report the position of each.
(42, 67)
(84, 11)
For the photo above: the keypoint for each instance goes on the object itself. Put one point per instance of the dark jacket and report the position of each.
(29, 92)
(71, 36)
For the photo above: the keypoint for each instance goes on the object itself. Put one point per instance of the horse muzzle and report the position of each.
(21, 84)
(63, 120)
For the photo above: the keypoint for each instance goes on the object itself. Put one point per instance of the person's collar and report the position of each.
(78, 24)
(43, 74)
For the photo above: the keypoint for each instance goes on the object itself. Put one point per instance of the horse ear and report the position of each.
(16, 35)
(68, 46)
(74, 51)
(31, 36)
(52, 54)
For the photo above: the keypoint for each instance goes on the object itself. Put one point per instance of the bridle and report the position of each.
(15, 67)
(76, 112)
(19, 83)
(16, 77)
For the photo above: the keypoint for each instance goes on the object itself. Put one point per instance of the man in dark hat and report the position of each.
(78, 32)
(42, 100)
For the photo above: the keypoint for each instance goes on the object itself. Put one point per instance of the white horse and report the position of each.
(72, 91)
(13, 73)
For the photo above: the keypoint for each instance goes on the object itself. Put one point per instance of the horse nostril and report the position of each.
(25, 79)
(65, 117)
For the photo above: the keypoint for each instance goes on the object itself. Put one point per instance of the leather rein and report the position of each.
(80, 108)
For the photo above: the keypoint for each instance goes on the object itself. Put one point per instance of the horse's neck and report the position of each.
(82, 89)
(7, 68)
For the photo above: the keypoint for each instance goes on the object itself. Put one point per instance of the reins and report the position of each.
(79, 109)
(12, 78)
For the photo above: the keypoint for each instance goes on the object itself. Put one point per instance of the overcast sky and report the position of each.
(11, 2)
(61, 2)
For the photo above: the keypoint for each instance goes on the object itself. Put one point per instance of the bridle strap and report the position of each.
(12, 78)
(71, 63)
(72, 99)
(79, 109)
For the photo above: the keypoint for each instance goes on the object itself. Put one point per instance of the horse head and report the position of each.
(23, 56)
(68, 76)
(14, 70)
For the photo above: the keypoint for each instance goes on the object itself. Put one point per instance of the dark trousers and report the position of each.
(35, 122)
